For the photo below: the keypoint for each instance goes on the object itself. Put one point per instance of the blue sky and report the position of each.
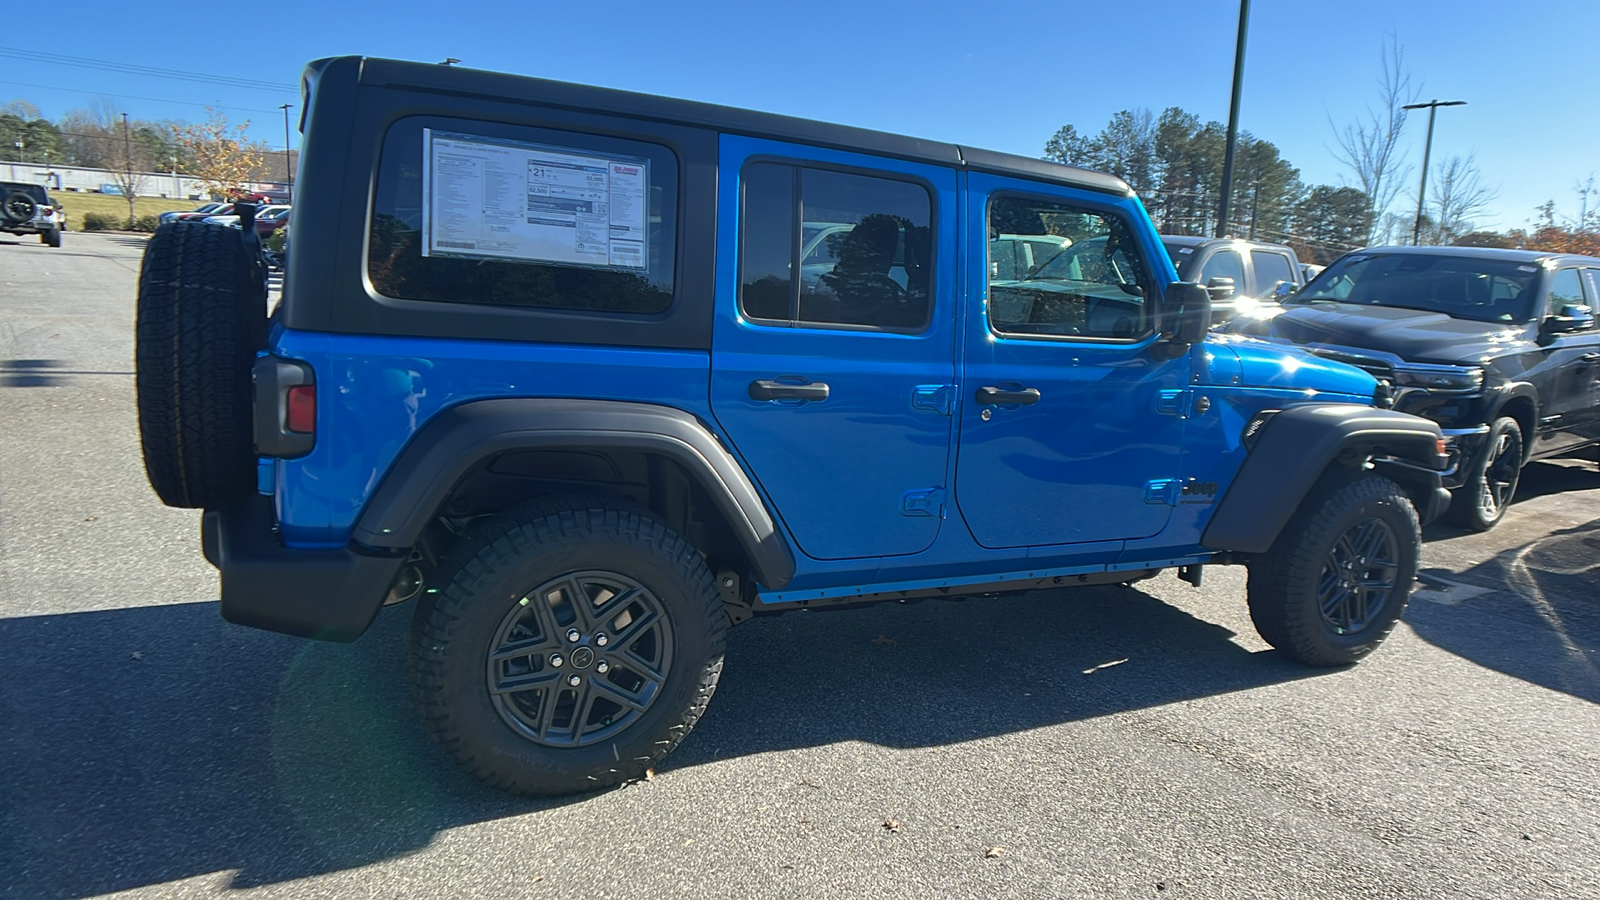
(998, 75)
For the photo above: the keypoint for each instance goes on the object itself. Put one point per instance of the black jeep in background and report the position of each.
(1500, 347)
(27, 209)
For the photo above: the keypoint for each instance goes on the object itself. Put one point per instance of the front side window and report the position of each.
(1483, 290)
(1224, 264)
(820, 247)
(487, 213)
(1093, 285)
(1565, 290)
(1271, 268)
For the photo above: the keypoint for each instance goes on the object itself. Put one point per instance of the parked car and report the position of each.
(589, 419)
(28, 209)
(1241, 275)
(1499, 347)
(203, 210)
(267, 220)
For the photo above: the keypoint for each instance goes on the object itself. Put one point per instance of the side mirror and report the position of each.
(1221, 288)
(1187, 309)
(1573, 317)
(1282, 290)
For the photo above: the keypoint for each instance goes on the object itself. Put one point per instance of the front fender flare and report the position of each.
(455, 440)
(1295, 447)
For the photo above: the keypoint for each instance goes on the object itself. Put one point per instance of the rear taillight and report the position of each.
(302, 412)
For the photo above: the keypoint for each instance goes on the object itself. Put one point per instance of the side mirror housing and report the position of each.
(1187, 312)
(1573, 317)
(1221, 287)
(1282, 290)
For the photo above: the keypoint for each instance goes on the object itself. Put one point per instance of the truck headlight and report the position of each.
(1439, 379)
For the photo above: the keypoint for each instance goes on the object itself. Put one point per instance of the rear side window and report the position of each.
(826, 248)
(486, 213)
(1092, 285)
(1271, 268)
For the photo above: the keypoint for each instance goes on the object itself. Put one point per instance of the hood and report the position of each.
(1251, 363)
(1410, 334)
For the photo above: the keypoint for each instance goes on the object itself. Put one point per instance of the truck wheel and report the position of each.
(1338, 577)
(572, 645)
(51, 238)
(202, 315)
(1480, 503)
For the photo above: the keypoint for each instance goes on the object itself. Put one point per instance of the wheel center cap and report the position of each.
(582, 658)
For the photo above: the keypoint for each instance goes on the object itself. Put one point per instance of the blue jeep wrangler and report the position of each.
(591, 376)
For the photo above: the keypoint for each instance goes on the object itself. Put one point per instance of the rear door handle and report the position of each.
(993, 396)
(1590, 357)
(778, 390)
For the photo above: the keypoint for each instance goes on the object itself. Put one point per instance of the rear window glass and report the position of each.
(486, 213)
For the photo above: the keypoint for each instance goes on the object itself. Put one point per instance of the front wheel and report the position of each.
(1492, 478)
(1338, 577)
(574, 646)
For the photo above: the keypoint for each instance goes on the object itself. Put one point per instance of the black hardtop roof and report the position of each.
(1522, 256)
(496, 85)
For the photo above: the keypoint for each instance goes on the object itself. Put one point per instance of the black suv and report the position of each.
(1499, 347)
(26, 209)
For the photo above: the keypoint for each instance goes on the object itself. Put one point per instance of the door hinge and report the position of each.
(1173, 403)
(1162, 491)
(933, 397)
(929, 502)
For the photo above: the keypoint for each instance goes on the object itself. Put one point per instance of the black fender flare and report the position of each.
(1296, 445)
(455, 440)
(1519, 390)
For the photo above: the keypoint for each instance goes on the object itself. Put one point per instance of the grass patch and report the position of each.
(77, 205)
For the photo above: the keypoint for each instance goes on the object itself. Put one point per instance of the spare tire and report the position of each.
(202, 315)
(18, 208)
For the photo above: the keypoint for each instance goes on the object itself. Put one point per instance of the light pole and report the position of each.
(288, 170)
(1233, 120)
(1427, 150)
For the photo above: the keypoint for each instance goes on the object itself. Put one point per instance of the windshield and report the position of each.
(1483, 290)
(1179, 254)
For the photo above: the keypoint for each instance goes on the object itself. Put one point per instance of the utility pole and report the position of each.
(1427, 150)
(288, 170)
(1233, 120)
(127, 162)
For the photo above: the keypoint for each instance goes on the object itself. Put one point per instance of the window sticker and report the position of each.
(490, 198)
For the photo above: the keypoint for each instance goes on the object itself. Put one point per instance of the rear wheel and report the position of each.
(1338, 577)
(573, 646)
(1481, 502)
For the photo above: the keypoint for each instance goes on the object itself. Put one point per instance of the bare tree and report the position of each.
(1458, 194)
(129, 163)
(1370, 147)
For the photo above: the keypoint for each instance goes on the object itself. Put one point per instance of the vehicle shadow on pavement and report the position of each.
(1537, 615)
(159, 743)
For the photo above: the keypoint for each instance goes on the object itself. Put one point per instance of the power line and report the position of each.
(47, 87)
(150, 71)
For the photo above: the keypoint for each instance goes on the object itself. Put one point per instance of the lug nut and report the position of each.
(573, 635)
(574, 681)
(600, 640)
(556, 660)
(602, 667)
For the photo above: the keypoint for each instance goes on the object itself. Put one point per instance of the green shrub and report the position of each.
(95, 221)
(274, 241)
(146, 223)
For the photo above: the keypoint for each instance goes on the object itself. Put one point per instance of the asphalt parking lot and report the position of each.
(1105, 742)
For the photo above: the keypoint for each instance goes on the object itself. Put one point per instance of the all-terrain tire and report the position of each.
(51, 238)
(1351, 534)
(501, 590)
(202, 315)
(1480, 503)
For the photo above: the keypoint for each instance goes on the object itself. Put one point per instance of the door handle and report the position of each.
(993, 396)
(1590, 357)
(778, 390)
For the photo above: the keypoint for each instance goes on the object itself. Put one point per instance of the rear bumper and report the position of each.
(326, 594)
